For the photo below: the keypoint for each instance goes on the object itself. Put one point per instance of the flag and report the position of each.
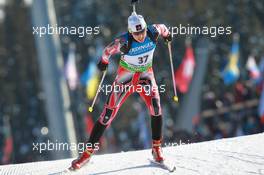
(8, 142)
(253, 69)
(231, 71)
(261, 79)
(261, 107)
(71, 69)
(90, 79)
(183, 75)
(261, 70)
(261, 65)
(92, 86)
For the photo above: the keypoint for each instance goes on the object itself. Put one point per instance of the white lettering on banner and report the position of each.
(142, 47)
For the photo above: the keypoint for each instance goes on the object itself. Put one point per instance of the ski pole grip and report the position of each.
(133, 1)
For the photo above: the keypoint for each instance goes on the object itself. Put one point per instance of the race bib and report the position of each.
(140, 59)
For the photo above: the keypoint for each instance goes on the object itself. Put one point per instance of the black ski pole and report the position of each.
(133, 3)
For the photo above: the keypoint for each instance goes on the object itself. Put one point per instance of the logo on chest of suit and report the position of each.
(143, 48)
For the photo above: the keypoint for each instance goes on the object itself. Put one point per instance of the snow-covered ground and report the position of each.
(241, 155)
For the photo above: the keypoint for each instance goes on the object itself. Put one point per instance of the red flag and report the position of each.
(8, 149)
(8, 143)
(184, 74)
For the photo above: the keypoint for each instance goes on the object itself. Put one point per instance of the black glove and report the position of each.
(102, 66)
(168, 38)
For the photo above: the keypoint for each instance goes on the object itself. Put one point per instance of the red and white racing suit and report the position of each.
(134, 71)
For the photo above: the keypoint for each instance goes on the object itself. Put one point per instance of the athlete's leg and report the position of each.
(121, 89)
(150, 95)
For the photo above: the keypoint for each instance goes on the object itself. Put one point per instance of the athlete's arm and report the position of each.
(163, 31)
(111, 49)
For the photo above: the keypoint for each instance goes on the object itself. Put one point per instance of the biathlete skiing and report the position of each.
(135, 69)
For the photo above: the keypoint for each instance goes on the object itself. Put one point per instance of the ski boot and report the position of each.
(157, 151)
(82, 159)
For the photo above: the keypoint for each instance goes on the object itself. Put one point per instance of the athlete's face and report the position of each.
(140, 36)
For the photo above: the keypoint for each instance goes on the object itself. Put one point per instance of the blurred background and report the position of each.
(47, 83)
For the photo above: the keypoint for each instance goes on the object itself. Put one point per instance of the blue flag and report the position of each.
(261, 104)
(231, 71)
(261, 69)
(89, 73)
(90, 79)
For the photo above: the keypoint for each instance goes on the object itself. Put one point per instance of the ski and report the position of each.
(66, 171)
(165, 165)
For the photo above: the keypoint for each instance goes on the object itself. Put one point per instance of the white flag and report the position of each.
(71, 69)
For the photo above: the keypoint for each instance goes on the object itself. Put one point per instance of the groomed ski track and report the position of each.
(235, 156)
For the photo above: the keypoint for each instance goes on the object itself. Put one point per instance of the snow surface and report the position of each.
(235, 156)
